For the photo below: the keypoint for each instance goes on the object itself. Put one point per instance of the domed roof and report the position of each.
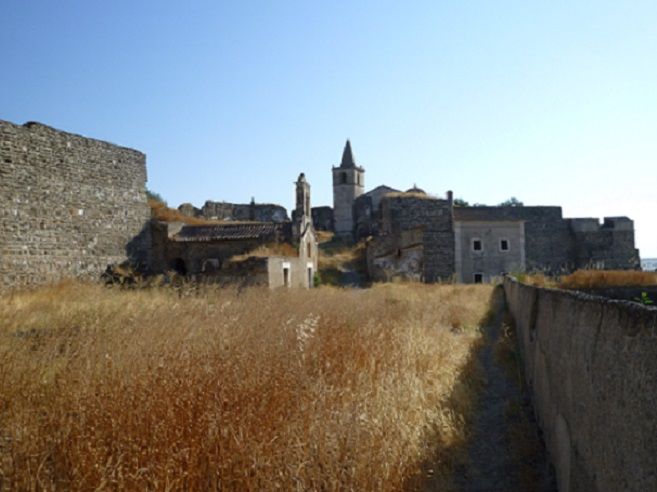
(415, 189)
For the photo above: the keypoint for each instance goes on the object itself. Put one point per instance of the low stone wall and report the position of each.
(591, 363)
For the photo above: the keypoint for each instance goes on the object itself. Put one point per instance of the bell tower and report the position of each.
(302, 215)
(348, 184)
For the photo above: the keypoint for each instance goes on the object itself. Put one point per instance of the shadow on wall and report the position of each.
(139, 249)
(592, 366)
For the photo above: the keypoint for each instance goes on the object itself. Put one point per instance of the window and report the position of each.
(343, 178)
(478, 278)
(477, 245)
(286, 276)
(504, 244)
(310, 278)
(309, 249)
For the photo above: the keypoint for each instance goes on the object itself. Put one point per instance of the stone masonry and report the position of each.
(69, 205)
(259, 212)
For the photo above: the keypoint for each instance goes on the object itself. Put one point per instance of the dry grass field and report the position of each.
(590, 279)
(593, 279)
(164, 389)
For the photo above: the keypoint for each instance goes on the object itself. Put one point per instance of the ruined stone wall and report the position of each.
(609, 245)
(591, 364)
(401, 212)
(397, 256)
(322, 218)
(258, 212)
(69, 205)
(366, 217)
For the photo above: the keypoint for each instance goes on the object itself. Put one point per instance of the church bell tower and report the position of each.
(348, 184)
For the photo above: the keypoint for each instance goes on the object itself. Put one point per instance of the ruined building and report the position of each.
(273, 253)
(417, 236)
(70, 206)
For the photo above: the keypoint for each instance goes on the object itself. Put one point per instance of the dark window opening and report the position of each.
(478, 278)
(476, 245)
(343, 178)
(286, 277)
(504, 245)
(179, 267)
(399, 253)
(309, 250)
(310, 278)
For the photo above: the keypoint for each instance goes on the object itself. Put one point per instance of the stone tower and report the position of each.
(348, 184)
(302, 217)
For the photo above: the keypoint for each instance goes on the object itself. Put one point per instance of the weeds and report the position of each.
(155, 389)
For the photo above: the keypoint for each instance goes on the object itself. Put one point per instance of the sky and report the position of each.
(552, 102)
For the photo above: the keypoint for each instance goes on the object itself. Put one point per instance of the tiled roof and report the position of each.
(226, 232)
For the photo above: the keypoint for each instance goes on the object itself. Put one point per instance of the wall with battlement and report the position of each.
(556, 245)
(591, 364)
(69, 205)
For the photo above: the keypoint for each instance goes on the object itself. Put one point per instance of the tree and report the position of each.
(460, 202)
(152, 195)
(511, 202)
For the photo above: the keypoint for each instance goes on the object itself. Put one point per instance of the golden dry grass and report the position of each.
(160, 211)
(590, 279)
(327, 389)
(265, 250)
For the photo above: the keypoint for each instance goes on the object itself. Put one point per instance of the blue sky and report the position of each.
(552, 102)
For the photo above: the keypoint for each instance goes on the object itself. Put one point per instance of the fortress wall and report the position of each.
(549, 246)
(591, 364)
(69, 205)
(405, 212)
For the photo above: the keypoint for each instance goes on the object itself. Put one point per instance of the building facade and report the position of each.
(413, 235)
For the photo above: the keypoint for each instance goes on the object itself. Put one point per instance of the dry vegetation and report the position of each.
(160, 211)
(266, 250)
(590, 279)
(336, 257)
(593, 279)
(163, 389)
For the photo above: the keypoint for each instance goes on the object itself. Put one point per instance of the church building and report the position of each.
(417, 236)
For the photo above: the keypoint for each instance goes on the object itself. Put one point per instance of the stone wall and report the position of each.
(397, 256)
(69, 205)
(322, 218)
(608, 246)
(259, 212)
(591, 364)
(408, 211)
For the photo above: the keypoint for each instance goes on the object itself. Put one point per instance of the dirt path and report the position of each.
(505, 452)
